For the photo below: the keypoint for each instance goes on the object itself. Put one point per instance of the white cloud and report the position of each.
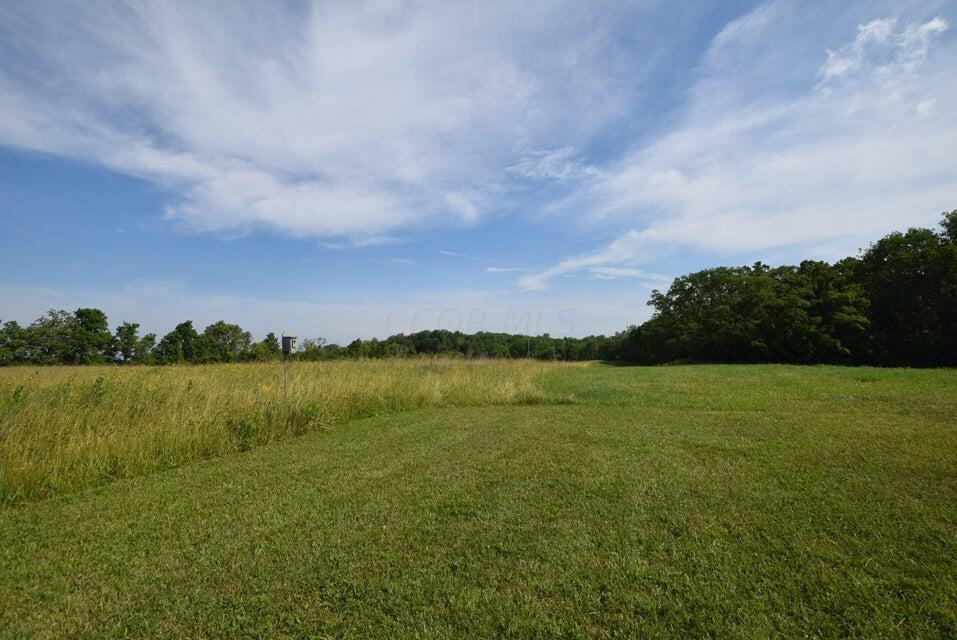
(455, 254)
(614, 273)
(866, 150)
(558, 164)
(852, 57)
(897, 51)
(338, 120)
(621, 250)
(503, 269)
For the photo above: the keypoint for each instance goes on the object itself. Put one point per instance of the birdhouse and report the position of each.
(288, 344)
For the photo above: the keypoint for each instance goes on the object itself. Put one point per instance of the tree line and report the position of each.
(895, 304)
(84, 337)
(476, 345)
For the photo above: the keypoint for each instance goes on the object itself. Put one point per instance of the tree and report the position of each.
(90, 338)
(128, 347)
(267, 349)
(355, 349)
(749, 314)
(143, 354)
(838, 307)
(12, 343)
(125, 341)
(223, 342)
(49, 339)
(180, 345)
(170, 349)
(949, 224)
(910, 280)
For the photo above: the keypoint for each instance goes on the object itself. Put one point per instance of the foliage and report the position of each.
(90, 338)
(894, 305)
(222, 342)
(476, 345)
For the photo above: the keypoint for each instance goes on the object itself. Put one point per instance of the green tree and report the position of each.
(910, 279)
(949, 224)
(355, 349)
(128, 347)
(194, 349)
(180, 345)
(90, 339)
(838, 308)
(169, 350)
(48, 340)
(223, 342)
(125, 341)
(143, 354)
(12, 343)
(267, 349)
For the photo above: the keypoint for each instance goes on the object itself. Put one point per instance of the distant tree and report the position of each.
(312, 349)
(143, 354)
(223, 342)
(194, 349)
(949, 224)
(12, 343)
(267, 349)
(128, 347)
(838, 309)
(355, 349)
(500, 350)
(90, 338)
(48, 340)
(180, 345)
(169, 350)
(910, 279)
(125, 341)
(272, 345)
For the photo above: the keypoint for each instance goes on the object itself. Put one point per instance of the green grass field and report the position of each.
(480, 500)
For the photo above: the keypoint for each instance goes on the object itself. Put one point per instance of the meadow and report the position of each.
(63, 428)
(432, 499)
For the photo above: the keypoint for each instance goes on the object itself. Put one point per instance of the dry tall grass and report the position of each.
(62, 428)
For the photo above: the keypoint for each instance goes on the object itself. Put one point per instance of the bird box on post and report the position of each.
(288, 344)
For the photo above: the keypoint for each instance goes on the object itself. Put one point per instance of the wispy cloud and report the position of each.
(455, 254)
(339, 120)
(503, 269)
(614, 273)
(881, 43)
(558, 164)
(861, 144)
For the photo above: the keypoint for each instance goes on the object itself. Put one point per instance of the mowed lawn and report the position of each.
(692, 501)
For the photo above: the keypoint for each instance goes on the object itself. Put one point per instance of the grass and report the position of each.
(702, 501)
(64, 428)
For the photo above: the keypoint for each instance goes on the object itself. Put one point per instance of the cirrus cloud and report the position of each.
(862, 145)
(321, 119)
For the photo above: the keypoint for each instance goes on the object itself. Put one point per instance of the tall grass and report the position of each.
(62, 428)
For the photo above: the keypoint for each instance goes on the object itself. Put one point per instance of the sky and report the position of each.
(360, 169)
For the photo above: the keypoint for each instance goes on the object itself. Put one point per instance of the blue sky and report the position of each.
(361, 169)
